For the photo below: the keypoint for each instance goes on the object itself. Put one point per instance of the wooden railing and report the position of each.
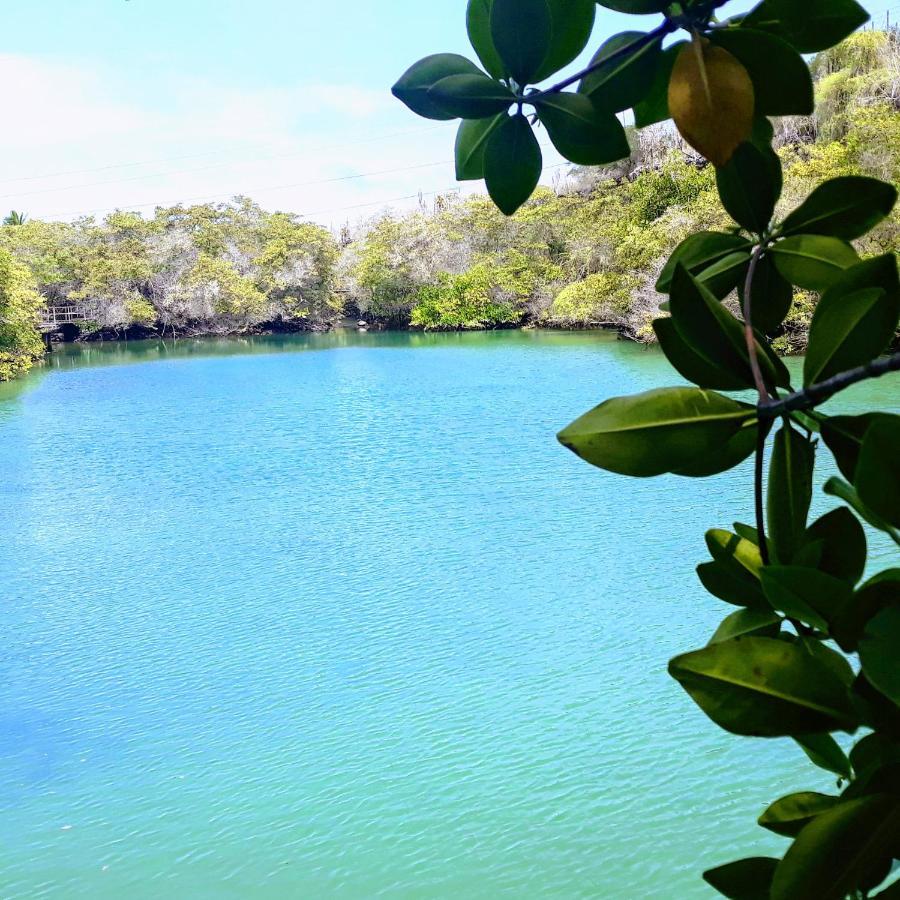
(68, 313)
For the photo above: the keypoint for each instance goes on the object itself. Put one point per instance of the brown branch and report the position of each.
(815, 394)
(667, 27)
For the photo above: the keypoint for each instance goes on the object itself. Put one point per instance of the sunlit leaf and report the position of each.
(764, 687)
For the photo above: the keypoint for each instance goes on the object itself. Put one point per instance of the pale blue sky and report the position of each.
(137, 102)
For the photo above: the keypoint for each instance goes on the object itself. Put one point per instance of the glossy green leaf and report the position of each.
(471, 140)
(745, 879)
(824, 751)
(655, 432)
(879, 652)
(844, 544)
(654, 107)
(730, 582)
(627, 78)
(580, 131)
(749, 186)
(747, 621)
(843, 435)
(837, 487)
(478, 25)
(764, 687)
(470, 96)
(748, 532)
(872, 752)
(724, 546)
(808, 27)
(571, 24)
(512, 164)
(848, 331)
(837, 852)
(813, 261)
(789, 492)
(878, 593)
(699, 251)
(874, 709)
(522, 34)
(788, 815)
(771, 295)
(722, 277)
(413, 86)
(690, 364)
(714, 333)
(877, 480)
(805, 594)
(845, 207)
(781, 80)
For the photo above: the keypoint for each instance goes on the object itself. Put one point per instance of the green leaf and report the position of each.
(748, 532)
(788, 815)
(771, 295)
(747, 621)
(845, 207)
(877, 480)
(626, 79)
(571, 24)
(656, 431)
(789, 492)
(875, 710)
(749, 186)
(654, 107)
(807, 27)
(722, 277)
(471, 140)
(580, 131)
(737, 449)
(848, 331)
(728, 581)
(823, 751)
(691, 365)
(726, 547)
(764, 687)
(878, 593)
(699, 251)
(838, 851)
(413, 86)
(714, 333)
(843, 435)
(470, 96)
(522, 33)
(879, 652)
(478, 25)
(805, 594)
(636, 7)
(512, 164)
(844, 544)
(813, 261)
(872, 752)
(782, 84)
(745, 879)
(837, 487)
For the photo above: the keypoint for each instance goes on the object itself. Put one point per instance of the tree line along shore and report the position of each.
(583, 253)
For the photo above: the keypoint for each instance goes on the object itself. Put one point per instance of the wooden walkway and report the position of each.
(53, 317)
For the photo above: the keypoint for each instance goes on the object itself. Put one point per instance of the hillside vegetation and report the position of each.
(584, 254)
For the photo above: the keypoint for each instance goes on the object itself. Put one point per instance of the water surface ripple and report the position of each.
(335, 617)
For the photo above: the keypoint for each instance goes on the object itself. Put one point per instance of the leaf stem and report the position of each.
(658, 33)
(748, 326)
(815, 394)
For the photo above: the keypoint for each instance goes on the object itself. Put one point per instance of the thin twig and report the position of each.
(667, 27)
(815, 394)
(748, 327)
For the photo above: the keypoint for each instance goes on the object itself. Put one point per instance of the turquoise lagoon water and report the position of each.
(336, 617)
